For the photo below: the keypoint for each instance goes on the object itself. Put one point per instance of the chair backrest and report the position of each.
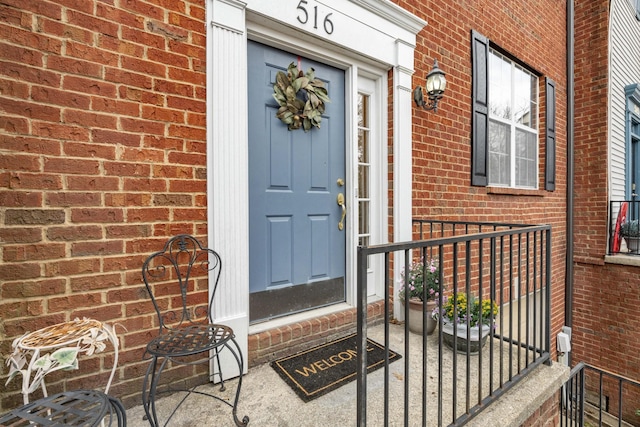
(177, 279)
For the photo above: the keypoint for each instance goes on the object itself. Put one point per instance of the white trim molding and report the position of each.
(402, 157)
(227, 155)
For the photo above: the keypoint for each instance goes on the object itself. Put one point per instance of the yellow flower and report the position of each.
(470, 310)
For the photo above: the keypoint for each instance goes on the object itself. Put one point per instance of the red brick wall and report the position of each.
(533, 32)
(606, 323)
(547, 415)
(607, 326)
(591, 130)
(102, 157)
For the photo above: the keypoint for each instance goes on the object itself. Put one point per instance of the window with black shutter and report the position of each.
(505, 124)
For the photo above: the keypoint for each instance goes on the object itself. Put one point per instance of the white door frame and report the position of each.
(367, 37)
(376, 90)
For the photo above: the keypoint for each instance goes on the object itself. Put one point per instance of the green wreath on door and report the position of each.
(301, 98)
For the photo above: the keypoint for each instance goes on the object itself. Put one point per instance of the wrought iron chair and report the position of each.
(176, 279)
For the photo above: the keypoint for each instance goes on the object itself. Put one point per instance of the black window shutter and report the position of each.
(550, 145)
(480, 103)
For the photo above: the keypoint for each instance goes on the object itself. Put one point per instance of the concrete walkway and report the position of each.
(269, 402)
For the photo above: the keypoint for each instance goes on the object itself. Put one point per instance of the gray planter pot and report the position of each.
(633, 244)
(477, 337)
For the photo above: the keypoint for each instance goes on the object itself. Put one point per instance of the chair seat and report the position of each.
(70, 408)
(192, 339)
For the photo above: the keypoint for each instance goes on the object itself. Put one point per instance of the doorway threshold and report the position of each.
(298, 317)
(256, 328)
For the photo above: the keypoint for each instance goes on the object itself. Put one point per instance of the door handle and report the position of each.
(340, 201)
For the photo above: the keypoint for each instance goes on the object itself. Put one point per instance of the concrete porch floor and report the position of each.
(269, 402)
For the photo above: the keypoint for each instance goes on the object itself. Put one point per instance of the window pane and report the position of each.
(500, 87)
(526, 159)
(363, 221)
(363, 146)
(499, 153)
(363, 110)
(363, 182)
(525, 110)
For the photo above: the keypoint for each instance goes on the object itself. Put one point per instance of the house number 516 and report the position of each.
(303, 17)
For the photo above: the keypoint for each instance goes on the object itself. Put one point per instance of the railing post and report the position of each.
(361, 318)
(407, 366)
(580, 404)
(547, 331)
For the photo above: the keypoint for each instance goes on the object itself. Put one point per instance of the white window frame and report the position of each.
(514, 126)
(374, 88)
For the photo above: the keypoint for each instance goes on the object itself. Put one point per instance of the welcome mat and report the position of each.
(319, 370)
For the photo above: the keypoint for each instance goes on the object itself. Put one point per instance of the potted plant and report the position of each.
(630, 230)
(469, 319)
(420, 286)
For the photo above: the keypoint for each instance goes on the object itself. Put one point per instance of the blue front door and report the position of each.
(296, 248)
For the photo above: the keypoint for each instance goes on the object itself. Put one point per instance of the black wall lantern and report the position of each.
(436, 84)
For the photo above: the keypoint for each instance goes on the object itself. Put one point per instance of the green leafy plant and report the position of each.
(301, 98)
(630, 229)
(460, 309)
(420, 276)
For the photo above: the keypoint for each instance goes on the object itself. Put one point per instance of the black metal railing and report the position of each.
(507, 264)
(624, 227)
(595, 397)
